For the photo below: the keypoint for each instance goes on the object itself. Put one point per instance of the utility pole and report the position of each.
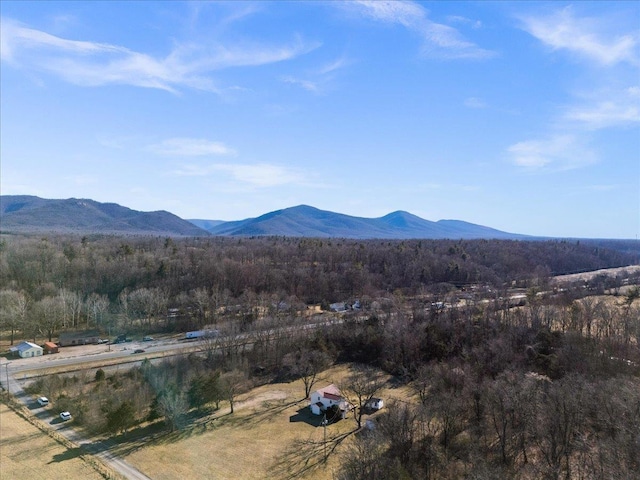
(324, 425)
(6, 367)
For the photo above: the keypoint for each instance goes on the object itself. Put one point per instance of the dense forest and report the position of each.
(114, 279)
(547, 388)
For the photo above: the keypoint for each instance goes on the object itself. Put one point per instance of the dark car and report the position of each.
(138, 350)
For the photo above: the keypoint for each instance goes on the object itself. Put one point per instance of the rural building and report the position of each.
(327, 397)
(27, 349)
(50, 347)
(374, 404)
(338, 307)
(86, 337)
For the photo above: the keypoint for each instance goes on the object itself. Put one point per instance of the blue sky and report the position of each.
(521, 116)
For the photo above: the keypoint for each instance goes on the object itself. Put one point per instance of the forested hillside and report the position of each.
(544, 387)
(311, 270)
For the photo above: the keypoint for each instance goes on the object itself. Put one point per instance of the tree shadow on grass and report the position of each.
(304, 456)
(196, 422)
(125, 443)
(266, 412)
(155, 433)
(68, 454)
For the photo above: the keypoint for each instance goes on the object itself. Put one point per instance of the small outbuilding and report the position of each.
(27, 350)
(374, 404)
(50, 347)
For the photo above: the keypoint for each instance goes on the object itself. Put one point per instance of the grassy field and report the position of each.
(271, 434)
(26, 451)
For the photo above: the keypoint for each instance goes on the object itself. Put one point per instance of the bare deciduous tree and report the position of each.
(174, 405)
(231, 384)
(360, 387)
(306, 364)
(13, 310)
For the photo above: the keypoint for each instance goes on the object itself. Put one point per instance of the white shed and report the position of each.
(374, 404)
(27, 349)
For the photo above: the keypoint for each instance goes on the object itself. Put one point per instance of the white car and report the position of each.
(43, 401)
(65, 416)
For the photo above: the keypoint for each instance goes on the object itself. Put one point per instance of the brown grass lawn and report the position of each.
(271, 435)
(26, 451)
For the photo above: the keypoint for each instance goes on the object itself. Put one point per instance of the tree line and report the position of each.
(547, 389)
(50, 284)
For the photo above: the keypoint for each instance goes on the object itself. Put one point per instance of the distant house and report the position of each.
(374, 404)
(86, 337)
(27, 349)
(50, 347)
(338, 307)
(327, 397)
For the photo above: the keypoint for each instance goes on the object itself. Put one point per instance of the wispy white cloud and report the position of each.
(592, 38)
(557, 152)
(567, 146)
(89, 63)
(227, 13)
(602, 42)
(15, 37)
(317, 81)
(190, 147)
(605, 114)
(333, 66)
(440, 40)
(464, 21)
(261, 175)
(605, 109)
(308, 85)
(474, 102)
(193, 170)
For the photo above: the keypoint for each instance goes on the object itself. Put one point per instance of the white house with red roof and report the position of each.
(326, 397)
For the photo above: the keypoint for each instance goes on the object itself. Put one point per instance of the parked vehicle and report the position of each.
(138, 350)
(201, 334)
(147, 339)
(121, 338)
(43, 401)
(65, 416)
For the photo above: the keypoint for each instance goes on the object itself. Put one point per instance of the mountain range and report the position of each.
(30, 214)
(306, 221)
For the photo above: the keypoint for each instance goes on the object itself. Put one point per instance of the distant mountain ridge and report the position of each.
(306, 221)
(31, 214)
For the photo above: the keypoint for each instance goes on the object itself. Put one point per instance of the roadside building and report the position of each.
(338, 307)
(86, 337)
(50, 347)
(27, 349)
